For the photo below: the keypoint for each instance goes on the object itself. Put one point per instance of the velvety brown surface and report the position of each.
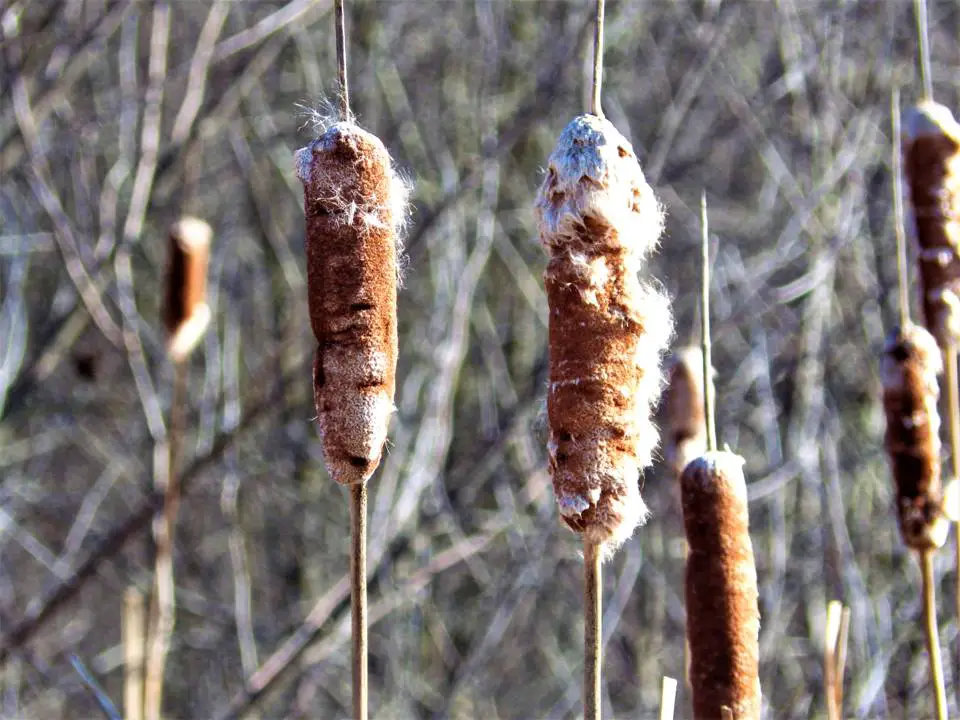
(185, 286)
(909, 368)
(352, 290)
(598, 219)
(685, 427)
(723, 619)
(932, 165)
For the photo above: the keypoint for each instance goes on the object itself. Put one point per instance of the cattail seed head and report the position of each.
(598, 219)
(685, 434)
(723, 618)
(932, 163)
(355, 203)
(908, 369)
(186, 314)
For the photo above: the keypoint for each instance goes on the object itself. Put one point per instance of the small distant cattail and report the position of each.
(685, 431)
(355, 203)
(186, 314)
(932, 164)
(598, 219)
(909, 368)
(723, 619)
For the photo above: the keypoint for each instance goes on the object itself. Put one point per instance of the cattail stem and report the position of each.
(708, 390)
(133, 649)
(342, 60)
(933, 638)
(668, 698)
(903, 283)
(923, 41)
(595, 107)
(358, 596)
(592, 613)
(835, 657)
(164, 617)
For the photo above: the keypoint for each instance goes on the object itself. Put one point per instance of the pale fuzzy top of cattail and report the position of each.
(909, 368)
(723, 616)
(685, 425)
(598, 218)
(356, 205)
(931, 152)
(186, 314)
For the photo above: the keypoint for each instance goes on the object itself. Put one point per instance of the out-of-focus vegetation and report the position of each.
(118, 117)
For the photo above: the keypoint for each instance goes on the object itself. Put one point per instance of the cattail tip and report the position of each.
(931, 118)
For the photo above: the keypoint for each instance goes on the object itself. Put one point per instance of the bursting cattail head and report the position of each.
(723, 618)
(598, 219)
(908, 369)
(186, 314)
(355, 204)
(932, 162)
(685, 431)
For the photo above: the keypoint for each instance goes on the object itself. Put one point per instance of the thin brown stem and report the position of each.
(358, 596)
(923, 40)
(597, 87)
(708, 390)
(932, 634)
(134, 641)
(592, 613)
(903, 282)
(342, 60)
(163, 618)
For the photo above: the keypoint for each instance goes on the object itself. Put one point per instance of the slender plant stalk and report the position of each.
(832, 660)
(592, 613)
(342, 60)
(708, 390)
(163, 617)
(926, 77)
(668, 698)
(903, 284)
(932, 634)
(358, 596)
(133, 649)
(595, 107)
(841, 656)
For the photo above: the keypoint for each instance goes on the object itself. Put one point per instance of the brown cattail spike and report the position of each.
(723, 619)
(909, 368)
(355, 203)
(598, 219)
(186, 314)
(685, 434)
(932, 164)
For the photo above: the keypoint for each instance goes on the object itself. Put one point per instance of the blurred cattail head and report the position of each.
(685, 426)
(723, 618)
(931, 151)
(908, 369)
(186, 314)
(355, 203)
(598, 219)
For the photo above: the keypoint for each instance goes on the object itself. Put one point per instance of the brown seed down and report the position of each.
(186, 314)
(932, 163)
(354, 204)
(685, 434)
(723, 618)
(908, 369)
(598, 218)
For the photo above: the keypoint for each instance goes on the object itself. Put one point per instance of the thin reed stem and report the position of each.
(592, 614)
(952, 380)
(595, 107)
(832, 675)
(342, 60)
(841, 655)
(668, 698)
(163, 618)
(134, 641)
(903, 283)
(358, 596)
(923, 40)
(932, 634)
(708, 390)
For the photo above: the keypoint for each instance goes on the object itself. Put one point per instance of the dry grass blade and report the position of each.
(133, 650)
